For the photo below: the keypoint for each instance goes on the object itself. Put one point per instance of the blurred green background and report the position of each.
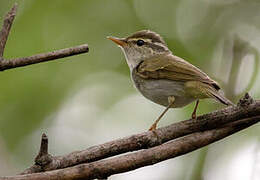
(89, 99)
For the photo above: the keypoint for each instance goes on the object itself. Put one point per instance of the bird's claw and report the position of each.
(153, 127)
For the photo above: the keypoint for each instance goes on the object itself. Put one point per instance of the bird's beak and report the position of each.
(120, 41)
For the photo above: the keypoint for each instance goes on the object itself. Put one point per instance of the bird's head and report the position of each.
(140, 46)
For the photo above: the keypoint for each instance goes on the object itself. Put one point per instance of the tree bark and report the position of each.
(185, 144)
(246, 108)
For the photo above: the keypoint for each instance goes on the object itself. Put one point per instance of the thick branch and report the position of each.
(7, 24)
(124, 163)
(19, 62)
(247, 108)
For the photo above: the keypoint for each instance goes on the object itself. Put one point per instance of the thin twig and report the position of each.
(24, 61)
(106, 167)
(19, 62)
(7, 24)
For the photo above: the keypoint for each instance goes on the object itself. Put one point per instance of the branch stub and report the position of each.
(245, 101)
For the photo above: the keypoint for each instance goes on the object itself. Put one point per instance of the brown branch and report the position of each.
(43, 157)
(19, 62)
(7, 24)
(246, 108)
(106, 167)
(24, 61)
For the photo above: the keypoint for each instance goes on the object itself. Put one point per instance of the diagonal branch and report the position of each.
(24, 61)
(106, 167)
(7, 24)
(246, 108)
(38, 58)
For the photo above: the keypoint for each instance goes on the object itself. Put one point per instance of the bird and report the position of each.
(163, 77)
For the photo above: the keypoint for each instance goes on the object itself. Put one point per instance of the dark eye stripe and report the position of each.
(156, 46)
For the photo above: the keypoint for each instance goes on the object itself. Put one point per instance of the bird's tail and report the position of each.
(217, 95)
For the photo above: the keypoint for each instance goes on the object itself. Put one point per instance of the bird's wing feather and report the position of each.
(173, 68)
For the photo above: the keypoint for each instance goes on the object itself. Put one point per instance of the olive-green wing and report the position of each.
(173, 68)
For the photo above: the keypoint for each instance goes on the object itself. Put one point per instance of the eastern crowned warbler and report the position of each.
(164, 78)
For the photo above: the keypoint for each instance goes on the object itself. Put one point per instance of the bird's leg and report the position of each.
(194, 116)
(171, 100)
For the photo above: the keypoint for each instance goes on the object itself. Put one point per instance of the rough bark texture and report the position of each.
(245, 109)
(106, 167)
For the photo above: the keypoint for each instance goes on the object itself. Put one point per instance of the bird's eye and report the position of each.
(140, 42)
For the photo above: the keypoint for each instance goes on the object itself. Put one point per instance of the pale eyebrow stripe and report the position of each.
(144, 39)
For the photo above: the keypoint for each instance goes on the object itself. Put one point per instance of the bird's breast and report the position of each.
(158, 90)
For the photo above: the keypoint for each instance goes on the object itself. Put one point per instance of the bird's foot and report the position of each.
(194, 116)
(153, 127)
